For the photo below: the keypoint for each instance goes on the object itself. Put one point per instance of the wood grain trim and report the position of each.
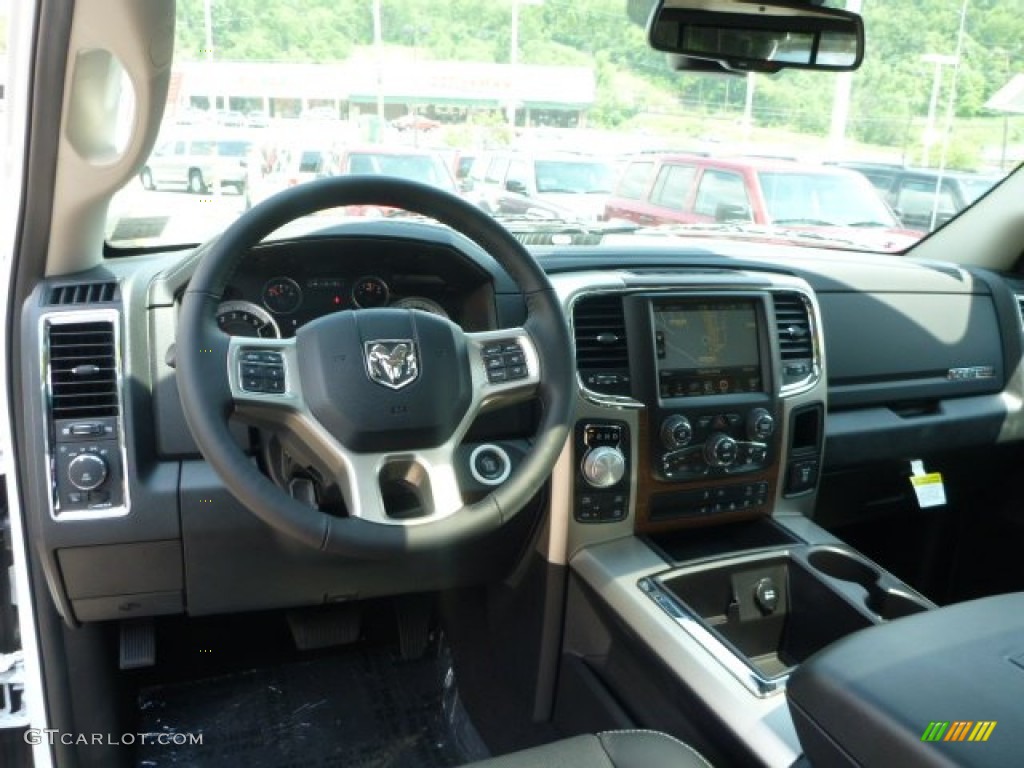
(648, 486)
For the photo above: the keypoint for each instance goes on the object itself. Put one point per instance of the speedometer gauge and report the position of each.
(282, 295)
(243, 318)
(422, 304)
(369, 292)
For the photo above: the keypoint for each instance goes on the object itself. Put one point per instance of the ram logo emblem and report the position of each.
(392, 363)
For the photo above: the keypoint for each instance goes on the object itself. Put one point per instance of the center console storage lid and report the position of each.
(881, 696)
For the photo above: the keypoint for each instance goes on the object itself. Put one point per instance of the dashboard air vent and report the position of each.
(83, 370)
(1020, 308)
(793, 328)
(602, 356)
(83, 293)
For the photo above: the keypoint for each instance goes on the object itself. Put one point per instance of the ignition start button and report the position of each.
(489, 464)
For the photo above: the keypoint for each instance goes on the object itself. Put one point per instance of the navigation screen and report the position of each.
(707, 348)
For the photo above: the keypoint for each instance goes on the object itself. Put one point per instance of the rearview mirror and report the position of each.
(757, 36)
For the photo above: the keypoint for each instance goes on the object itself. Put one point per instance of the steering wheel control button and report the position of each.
(489, 464)
(261, 371)
(87, 472)
(504, 361)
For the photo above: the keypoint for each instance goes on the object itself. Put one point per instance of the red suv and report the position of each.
(683, 189)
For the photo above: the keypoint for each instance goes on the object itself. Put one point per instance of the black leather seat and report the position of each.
(611, 749)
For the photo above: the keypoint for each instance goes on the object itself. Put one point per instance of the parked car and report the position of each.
(656, 190)
(916, 196)
(423, 165)
(195, 161)
(562, 185)
(280, 165)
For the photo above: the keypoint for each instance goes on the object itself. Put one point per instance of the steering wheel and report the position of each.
(375, 395)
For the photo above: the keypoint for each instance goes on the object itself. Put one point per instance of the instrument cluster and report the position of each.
(283, 303)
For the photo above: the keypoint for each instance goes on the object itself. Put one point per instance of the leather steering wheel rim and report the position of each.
(206, 395)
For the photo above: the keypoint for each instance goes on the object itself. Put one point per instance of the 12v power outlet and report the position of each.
(766, 595)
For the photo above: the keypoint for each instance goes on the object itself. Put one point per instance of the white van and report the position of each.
(196, 162)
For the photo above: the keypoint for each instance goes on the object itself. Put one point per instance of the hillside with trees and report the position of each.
(889, 96)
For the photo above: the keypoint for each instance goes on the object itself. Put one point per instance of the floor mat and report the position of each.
(365, 708)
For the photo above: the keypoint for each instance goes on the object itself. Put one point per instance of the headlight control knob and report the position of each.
(604, 466)
(87, 472)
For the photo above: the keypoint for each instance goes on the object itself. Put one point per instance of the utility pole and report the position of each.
(939, 60)
(513, 57)
(841, 102)
(212, 93)
(378, 52)
(748, 107)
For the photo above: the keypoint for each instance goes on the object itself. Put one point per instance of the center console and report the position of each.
(709, 372)
(694, 464)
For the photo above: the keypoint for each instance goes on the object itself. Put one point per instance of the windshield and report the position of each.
(573, 177)
(823, 199)
(556, 114)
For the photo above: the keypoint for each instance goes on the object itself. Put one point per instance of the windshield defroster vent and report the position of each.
(602, 355)
(83, 293)
(82, 370)
(795, 335)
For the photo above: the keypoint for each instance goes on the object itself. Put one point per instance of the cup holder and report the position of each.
(885, 603)
(892, 604)
(844, 567)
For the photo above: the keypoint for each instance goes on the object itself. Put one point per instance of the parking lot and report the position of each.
(142, 216)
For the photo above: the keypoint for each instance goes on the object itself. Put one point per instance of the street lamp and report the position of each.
(940, 61)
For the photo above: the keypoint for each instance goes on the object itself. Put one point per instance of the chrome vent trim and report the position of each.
(107, 319)
(599, 329)
(602, 349)
(798, 339)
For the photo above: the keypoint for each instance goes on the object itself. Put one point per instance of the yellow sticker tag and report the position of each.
(929, 489)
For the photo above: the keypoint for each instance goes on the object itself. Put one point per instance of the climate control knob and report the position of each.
(760, 425)
(87, 472)
(676, 432)
(720, 450)
(604, 466)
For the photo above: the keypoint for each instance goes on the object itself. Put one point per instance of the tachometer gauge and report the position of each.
(369, 292)
(422, 304)
(282, 295)
(243, 318)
